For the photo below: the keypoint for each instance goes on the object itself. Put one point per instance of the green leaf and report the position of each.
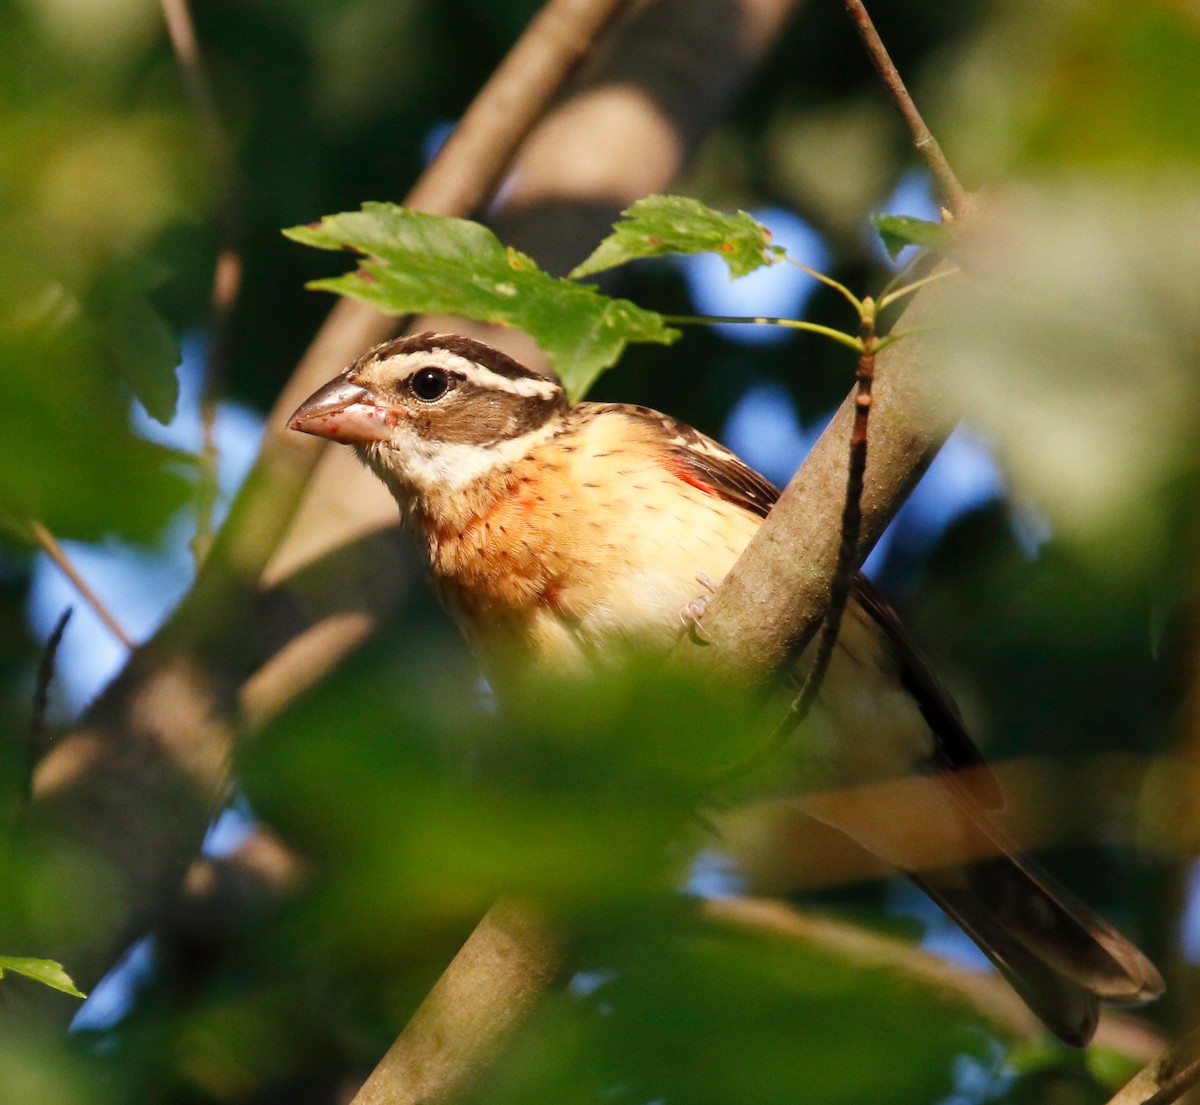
(133, 337)
(660, 225)
(68, 457)
(425, 263)
(45, 971)
(900, 231)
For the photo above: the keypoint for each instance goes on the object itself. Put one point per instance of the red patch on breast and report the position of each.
(681, 470)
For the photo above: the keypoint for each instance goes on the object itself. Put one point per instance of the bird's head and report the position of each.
(435, 412)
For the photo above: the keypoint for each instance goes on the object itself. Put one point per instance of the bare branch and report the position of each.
(927, 146)
(191, 65)
(771, 603)
(227, 275)
(1167, 1079)
(987, 995)
(851, 526)
(55, 552)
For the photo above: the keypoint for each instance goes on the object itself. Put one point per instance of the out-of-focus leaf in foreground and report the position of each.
(661, 225)
(87, 192)
(134, 337)
(420, 812)
(67, 456)
(415, 262)
(1101, 86)
(688, 1012)
(433, 809)
(1073, 341)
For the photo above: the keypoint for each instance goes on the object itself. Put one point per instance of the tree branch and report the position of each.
(50, 546)
(772, 602)
(1171, 1075)
(956, 196)
(988, 996)
(489, 988)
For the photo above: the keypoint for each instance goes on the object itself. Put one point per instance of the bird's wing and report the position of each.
(953, 748)
(705, 464)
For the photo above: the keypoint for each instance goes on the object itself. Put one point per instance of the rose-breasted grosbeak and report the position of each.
(558, 533)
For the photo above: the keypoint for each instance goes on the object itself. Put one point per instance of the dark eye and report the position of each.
(430, 384)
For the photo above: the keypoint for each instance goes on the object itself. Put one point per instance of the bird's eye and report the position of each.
(430, 384)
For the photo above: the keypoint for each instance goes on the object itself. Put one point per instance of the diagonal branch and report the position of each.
(50, 546)
(1166, 1080)
(492, 983)
(926, 144)
(773, 600)
(227, 273)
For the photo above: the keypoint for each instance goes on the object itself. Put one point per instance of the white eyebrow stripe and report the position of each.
(526, 387)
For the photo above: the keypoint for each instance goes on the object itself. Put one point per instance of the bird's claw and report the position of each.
(693, 610)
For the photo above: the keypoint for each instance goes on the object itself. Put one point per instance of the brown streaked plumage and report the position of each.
(557, 533)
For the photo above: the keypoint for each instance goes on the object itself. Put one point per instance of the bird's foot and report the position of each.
(694, 609)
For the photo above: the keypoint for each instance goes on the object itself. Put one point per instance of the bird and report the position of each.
(557, 534)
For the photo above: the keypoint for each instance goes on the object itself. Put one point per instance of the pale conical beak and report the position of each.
(344, 411)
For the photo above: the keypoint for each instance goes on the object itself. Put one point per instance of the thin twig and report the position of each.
(55, 552)
(182, 33)
(227, 275)
(828, 281)
(1167, 1079)
(843, 579)
(764, 320)
(41, 696)
(956, 195)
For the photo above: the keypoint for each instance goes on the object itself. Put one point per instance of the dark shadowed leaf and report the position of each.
(68, 457)
(134, 337)
(685, 1011)
(901, 231)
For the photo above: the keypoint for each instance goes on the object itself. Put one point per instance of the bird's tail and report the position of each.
(1060, 957)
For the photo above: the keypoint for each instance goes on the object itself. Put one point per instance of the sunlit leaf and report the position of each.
(659, 225)
(415, 262)
(45, 971)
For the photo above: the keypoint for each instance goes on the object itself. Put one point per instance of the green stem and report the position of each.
(916, 285)
(846, 293)
(795, 324)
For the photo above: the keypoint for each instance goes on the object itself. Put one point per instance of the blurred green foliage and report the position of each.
(1073, 346)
